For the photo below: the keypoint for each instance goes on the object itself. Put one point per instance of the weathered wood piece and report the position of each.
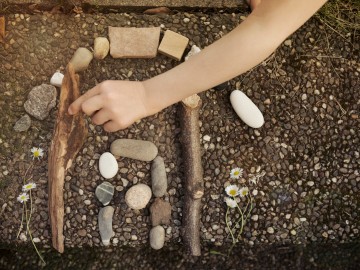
(68, 138)
(194, 184)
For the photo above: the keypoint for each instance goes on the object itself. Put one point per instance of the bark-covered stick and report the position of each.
(68, 138)
(194, 184)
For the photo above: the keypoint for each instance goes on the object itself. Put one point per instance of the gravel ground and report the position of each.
(308, 147)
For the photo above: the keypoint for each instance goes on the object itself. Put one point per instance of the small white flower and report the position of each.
(232, 190)
(23, 197)
(236, 173)
(28, 186)
(244, 191)
(37, 152)
(230, 202)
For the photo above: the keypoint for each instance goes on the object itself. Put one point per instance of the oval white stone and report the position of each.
(246, 109)
(108, 165)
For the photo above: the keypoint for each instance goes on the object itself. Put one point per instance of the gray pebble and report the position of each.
(105, 224)
(158, 177)
(135, 149)
(104, 192)
(157, 237)
(23, 124)
(40, 101)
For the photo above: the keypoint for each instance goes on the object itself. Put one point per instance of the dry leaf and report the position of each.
(2, 29)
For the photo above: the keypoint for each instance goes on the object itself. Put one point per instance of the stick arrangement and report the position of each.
(68, 138)
(194, 185)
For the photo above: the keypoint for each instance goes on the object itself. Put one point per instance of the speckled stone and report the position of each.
(157, 237)
(138, 196)
(41, 100)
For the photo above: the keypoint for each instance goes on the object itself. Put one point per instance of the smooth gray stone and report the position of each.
(104, 192)
(41, 100)
(105, 224)
(23, 124)
(157, 237)
(158, 177)
(135, 149)
(81, 59)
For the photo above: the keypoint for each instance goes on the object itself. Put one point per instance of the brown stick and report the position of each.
(194, 185)
(68, 138)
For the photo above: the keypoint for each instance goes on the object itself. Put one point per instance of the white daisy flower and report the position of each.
(230, 202)
(23, 197)
(232, 190)
(236, 173)
(28, 186)
(37, 152)
(244, 191)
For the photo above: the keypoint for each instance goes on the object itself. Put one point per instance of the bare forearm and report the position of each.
(247, 45)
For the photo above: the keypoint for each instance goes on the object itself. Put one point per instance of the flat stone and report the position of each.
(104, 192)
(160, 212)
(101, 47)
(105, 224)
(81, 59)
(108, 166)
(23, 124)
(158, 177)
(246, 109)
(56, 79)
(131, 42)
(138, 196)
(157, 237)
(135, 149)
(173, 45)
(41, 100)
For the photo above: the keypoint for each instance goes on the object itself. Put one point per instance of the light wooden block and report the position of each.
(173, 45)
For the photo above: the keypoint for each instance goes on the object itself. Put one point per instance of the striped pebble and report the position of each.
(104, 192)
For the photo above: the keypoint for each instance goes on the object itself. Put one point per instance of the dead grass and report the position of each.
(342, 16)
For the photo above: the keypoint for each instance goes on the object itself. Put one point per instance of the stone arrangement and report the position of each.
(137, 196)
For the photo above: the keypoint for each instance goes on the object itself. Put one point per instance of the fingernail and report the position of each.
(70, 111)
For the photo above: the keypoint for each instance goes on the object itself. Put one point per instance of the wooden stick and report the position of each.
(194, 185)
(68, 138)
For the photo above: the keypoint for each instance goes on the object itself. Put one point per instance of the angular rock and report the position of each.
(41, 100)
(160, 212)
(101, 47)
(104, 192)
(81, 59)
(158, 177)
(157, 237)
(131, 42)
(135, 149)
(138, 196)
(194, 50)
(246, 109)
(173, 45)
(56, 79)
(23, 124)
(108, 166)
(105, 224)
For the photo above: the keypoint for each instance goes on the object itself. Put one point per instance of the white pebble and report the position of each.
(108, 165)
(246, 109)
(57, 79)
(186, 20)
(87, 202)
(81, 192)
(270, 230)
(207, 138)
(36, 240)
(310, 183)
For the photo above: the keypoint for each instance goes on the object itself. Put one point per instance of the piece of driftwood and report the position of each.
(194, 184)
(68, 138)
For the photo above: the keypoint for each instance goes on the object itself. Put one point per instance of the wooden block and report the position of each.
(173, 45)
(131, 42)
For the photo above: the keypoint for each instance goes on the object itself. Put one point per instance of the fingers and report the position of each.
(75, 107)
(111, 126)
(93, 104)
(100, 117)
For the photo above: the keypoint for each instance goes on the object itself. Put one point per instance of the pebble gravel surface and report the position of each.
(308, 92)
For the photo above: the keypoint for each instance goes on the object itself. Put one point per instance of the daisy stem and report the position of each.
(246, 217)
(22, 221)
(227, 225)
(28, 221)
(27, 172)
(32, 241)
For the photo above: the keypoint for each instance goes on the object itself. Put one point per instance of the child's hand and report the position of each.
(114, 104)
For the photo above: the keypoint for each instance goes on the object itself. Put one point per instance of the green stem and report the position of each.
(28, 221)
(32, 241)
(227, 225)
(22, 221)
(246, 217)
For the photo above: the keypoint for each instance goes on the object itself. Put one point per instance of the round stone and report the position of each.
(81, 59)
(108, 166)
(101, 47)
(157, 237)
(246, 109)
(138, 196)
